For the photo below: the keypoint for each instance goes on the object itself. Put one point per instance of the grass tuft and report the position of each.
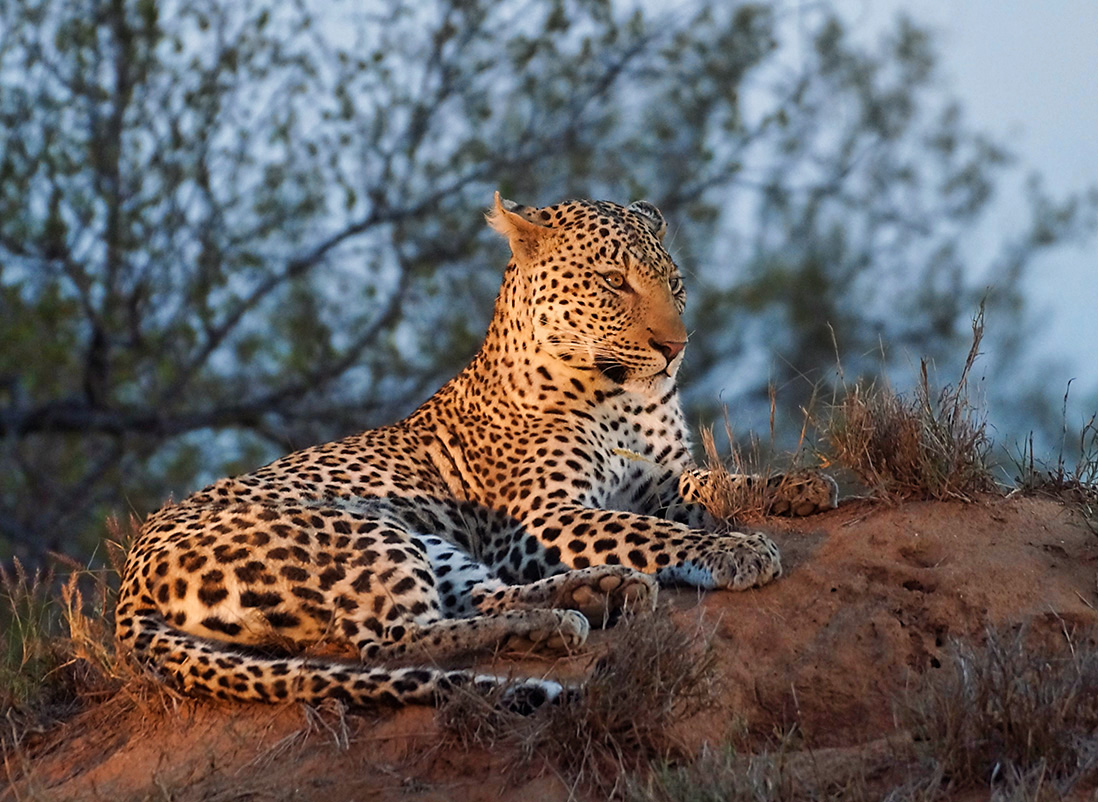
(726, 496)
(625, 717)
(57, 652)
(722, 774)
(1076, 485)
(30, 652)
(747, 486)
(1011, 713)
(932, 445)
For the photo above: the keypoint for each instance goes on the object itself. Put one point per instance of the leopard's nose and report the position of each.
(669, 348)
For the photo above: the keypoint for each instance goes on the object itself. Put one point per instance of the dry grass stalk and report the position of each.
(622, 719)
(1015, 716)
(929, 446)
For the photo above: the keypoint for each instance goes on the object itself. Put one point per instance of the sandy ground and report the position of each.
(873, 596)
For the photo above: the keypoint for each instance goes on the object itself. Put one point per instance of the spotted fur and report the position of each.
(538, 489)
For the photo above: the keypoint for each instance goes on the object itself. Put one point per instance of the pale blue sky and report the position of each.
(1027, 72)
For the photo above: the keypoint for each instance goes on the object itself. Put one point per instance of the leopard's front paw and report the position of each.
(742, 561)
(801, 493)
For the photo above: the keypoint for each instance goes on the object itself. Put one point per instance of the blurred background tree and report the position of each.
(232, 228)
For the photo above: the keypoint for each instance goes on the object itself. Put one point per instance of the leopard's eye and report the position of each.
(614, 279)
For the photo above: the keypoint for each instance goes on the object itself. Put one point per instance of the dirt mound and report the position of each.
(873, 596)
(872, 599)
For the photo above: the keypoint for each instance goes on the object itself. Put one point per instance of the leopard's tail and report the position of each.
(207, 667)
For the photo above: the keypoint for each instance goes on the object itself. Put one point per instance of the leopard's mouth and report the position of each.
(588, 356)
(612, 369)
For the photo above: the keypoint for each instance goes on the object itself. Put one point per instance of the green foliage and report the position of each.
(232, 228)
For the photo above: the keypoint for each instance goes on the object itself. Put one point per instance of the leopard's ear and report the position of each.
(519, 224)
(650, 216)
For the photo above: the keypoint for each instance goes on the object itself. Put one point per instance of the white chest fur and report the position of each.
(644, 448)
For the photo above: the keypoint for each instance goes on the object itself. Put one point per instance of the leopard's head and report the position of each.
(603, 292)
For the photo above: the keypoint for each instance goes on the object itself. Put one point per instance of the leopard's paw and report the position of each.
(741, 561)
(602, 592)
(800, 493)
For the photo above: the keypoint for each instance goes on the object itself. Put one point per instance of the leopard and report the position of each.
(547, 488)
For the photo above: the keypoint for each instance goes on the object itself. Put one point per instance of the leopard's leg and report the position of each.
(600, 592)
(467, 587)
(797, 493)
(456, 574)
(438, 640)
(571, 536)
(289, 577)
(201, 581)
(680, 500)
(733, 561)
(800, 493)
(405, 615)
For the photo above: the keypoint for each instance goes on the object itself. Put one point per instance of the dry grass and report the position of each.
(932, 445)
(1076, 485)
(625, 716)
(1011, 714)
(56, 644)
(724, 775)
(29, 653)
(744, 485)
(737, 488)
